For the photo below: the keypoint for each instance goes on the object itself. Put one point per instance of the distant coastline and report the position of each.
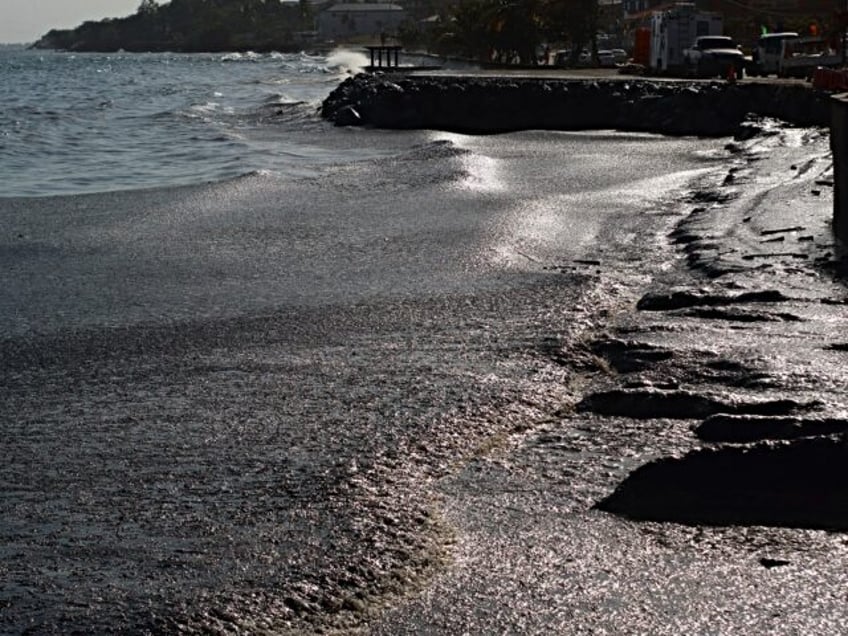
(191, 26)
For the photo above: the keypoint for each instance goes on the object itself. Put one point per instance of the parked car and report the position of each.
(606, 59)
(712, 55)
(562, 58)
(620, 56)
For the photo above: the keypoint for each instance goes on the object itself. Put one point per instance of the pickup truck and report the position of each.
(769, 52)
(712, 55)
(802, 55)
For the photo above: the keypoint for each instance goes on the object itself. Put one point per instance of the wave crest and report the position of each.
(347, 62)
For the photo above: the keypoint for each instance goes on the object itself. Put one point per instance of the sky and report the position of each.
(28, 20)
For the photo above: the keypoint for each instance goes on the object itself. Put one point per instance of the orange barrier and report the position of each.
(828, 79)
(819, 80)
(642, 46)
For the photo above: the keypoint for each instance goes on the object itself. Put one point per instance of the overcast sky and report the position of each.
(27, 20)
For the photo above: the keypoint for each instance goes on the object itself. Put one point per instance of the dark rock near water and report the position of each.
(498, 104)
(782, 230)
(799, 255)
(729, 373)
(626, 356)
(801, 484)
(685, 299)
(652, 403)
(750, 428)
(773, 563)
(715, 313)
(347, 116)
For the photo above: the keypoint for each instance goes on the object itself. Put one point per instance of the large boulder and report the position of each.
(801, 484)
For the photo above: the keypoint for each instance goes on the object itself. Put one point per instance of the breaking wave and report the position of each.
(347, 62)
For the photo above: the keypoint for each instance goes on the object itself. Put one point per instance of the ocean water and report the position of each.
(76, 123)
(241, 347)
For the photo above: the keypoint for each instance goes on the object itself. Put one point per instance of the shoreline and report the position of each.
(417, 462)
(742, 531)
(734, 348)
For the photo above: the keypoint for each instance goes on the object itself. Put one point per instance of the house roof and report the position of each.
(647, 13)
(364, 7)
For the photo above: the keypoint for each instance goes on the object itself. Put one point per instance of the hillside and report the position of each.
(192, 26)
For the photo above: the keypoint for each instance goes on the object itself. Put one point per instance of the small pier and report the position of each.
(387, 51)
(385, 58)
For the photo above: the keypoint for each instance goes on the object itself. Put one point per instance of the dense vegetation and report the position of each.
(192, 25)
(505, 30)
(508, 29)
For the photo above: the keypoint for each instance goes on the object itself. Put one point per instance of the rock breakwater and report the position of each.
(480, 105)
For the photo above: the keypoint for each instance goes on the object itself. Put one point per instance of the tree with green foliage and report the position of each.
(147, 7)
(466, 31)
(575, 21)
(509, 30)
(517, 28)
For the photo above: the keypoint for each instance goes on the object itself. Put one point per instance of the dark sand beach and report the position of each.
(455, 390)
(620, 515)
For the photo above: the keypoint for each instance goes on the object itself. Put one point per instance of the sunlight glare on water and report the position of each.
(482, 173)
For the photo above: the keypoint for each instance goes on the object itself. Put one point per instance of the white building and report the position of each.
(674, 30)
(349, 20)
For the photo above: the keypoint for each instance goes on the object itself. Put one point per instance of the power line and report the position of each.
(764, 11)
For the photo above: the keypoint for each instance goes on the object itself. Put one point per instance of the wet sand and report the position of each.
(233, 407)
(533, 552)
(405, 451)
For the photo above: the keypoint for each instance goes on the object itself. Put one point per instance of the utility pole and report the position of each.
(843, 20)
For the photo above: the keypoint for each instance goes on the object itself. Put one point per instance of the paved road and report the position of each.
(590, 74)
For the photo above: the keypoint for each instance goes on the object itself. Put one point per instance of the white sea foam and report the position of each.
(248, 56)
(203, 110)
(346, 61)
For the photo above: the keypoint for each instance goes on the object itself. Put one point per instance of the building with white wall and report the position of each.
(349, 20)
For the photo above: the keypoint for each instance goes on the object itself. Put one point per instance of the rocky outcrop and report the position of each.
(741, 429)
(769, 462)
(685, 299)
(649, 403)
(801, 484)
(499, 104)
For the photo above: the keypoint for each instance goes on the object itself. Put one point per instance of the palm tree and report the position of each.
(518, 26)
(466, 30)
(577, 21)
